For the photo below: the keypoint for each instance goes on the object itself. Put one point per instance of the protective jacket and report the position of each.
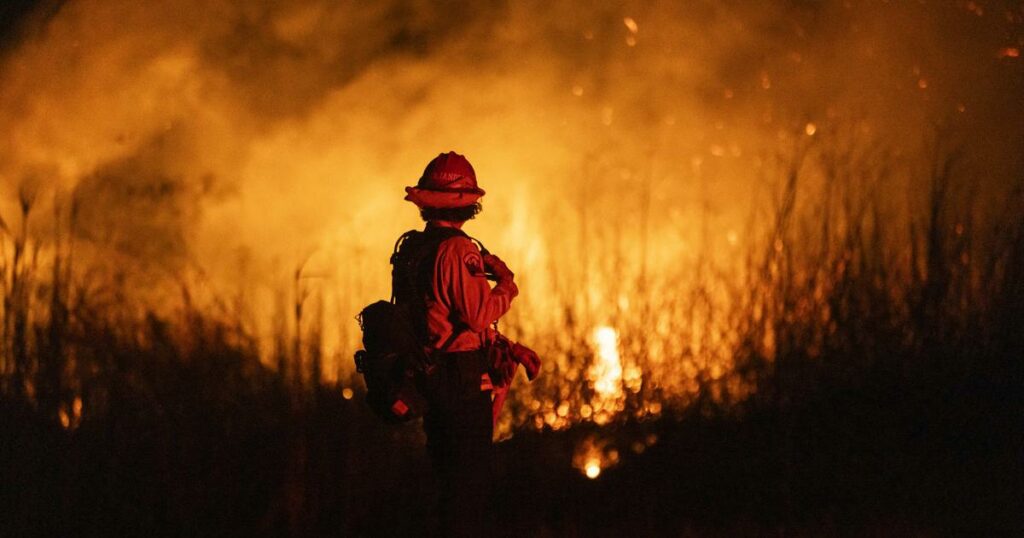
(462, 299)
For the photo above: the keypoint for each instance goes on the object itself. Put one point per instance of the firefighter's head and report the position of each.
(447, 190)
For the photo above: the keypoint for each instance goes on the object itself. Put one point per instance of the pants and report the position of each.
(459, 429)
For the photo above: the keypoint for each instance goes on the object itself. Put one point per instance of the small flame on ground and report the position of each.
(593, 456)
(71, 418)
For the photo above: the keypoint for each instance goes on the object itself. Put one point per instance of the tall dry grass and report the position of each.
(859, 345)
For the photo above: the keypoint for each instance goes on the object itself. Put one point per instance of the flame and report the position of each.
(70, 417)
(593, 455)
(606, 373)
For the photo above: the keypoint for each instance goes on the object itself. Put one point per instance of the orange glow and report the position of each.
(633, 178)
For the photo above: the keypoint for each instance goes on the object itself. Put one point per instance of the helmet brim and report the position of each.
(442, 199)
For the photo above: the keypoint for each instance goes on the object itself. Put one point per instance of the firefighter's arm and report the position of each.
(460, 269)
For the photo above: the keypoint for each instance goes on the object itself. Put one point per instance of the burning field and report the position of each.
(772, 256)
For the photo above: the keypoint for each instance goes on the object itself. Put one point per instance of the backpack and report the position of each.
(395, 359)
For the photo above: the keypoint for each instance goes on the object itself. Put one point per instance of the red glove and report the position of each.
(502, 364)
(494, 264)
(528, 358)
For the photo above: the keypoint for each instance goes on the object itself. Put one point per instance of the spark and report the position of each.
(810, 129)
(593, 469)
(631, 24)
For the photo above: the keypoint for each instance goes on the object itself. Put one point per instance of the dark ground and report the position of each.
(239, 457)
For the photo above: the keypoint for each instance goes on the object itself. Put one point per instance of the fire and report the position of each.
(71, 417)
(626, 186)
(593, 455)
(606, 373)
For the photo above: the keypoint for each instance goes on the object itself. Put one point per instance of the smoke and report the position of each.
(229, 143)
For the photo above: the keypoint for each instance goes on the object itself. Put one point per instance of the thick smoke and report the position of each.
(226, 144)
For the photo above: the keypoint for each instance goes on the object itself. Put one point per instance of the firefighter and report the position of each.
(457, 306)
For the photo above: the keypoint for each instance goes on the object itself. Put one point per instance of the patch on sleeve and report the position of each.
(474, 263)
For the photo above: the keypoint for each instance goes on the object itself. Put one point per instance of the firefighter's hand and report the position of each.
(528, 358)
(502, 373)
(494, 264)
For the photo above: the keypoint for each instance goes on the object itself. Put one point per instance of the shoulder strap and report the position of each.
(479, 245)
(394, 255)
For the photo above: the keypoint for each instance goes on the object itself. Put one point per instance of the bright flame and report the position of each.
(593, 469)
(607, 372)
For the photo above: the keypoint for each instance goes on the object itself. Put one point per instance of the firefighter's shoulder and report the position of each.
(461, 250)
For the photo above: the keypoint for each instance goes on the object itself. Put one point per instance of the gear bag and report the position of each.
(396, 359)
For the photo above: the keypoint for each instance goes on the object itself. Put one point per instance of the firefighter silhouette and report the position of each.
(446, 280)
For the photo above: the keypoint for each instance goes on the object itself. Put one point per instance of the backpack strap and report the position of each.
(394, 256)
(456, 332)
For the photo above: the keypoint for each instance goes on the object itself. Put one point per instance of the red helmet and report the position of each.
(448, 181)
